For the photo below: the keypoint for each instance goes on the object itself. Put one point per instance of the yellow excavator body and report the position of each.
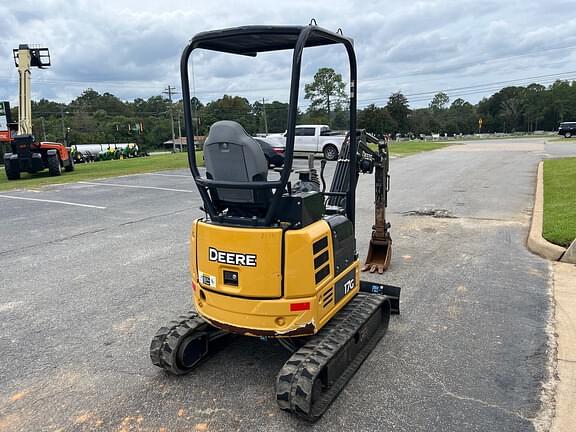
(266, 281)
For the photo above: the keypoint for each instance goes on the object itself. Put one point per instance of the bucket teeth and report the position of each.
(379, 254)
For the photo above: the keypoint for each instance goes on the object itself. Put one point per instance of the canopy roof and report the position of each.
(250, 40)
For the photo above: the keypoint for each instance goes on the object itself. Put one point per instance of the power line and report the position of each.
(492, 83)
(413, 97)
(477, 91)
(382, 99)
(481, 87)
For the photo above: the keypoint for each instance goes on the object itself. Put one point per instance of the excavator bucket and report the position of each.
(379, 254)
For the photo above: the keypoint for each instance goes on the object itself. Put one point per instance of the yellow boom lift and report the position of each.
(26, 153)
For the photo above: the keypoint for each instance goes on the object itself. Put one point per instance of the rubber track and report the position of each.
(295, 381)
(167, 338)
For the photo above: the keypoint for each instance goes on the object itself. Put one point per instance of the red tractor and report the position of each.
(31, 156)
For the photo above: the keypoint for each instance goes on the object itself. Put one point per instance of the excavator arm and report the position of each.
(380, 248)
(369, 161)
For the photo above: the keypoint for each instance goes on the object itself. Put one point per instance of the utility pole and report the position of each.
(180, 132)
(43, 128)
(170, 91)
(62, 121)
(265, 119)
(195, 117)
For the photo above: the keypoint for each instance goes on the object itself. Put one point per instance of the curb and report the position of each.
(536, 243)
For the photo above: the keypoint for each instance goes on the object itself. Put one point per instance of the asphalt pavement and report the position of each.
(89, 271)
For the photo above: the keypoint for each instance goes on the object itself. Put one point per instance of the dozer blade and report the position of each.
(390, 291)
(315, 374)
(379, 254)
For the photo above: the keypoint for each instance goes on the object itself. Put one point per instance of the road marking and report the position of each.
(137, 187)
(170, 175)
(53, 201)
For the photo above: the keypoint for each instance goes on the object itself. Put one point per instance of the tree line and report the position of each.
(104, 118)
(511, 109)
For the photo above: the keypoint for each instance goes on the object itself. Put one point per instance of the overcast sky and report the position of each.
(131, 48)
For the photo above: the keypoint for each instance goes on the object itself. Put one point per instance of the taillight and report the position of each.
(296, 307)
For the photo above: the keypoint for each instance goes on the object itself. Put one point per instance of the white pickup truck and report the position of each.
(312, 139)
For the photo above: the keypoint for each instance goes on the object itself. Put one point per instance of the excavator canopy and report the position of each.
(250, 40)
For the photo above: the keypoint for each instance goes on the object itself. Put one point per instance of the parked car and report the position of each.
(312, 139)
(274, 155)
(567, 129)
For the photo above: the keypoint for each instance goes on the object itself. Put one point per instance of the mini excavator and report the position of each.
(277, 260)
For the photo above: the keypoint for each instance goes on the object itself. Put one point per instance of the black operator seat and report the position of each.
(230, 154)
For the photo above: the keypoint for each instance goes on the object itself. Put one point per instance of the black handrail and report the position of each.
(238, 185)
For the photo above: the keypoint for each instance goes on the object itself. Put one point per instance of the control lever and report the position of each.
(322, 166)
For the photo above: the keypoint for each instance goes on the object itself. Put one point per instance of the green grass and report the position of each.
(562, 140)
(560, 201)
(407, 148)
(162, 162)
(101, 169)
(413, 147)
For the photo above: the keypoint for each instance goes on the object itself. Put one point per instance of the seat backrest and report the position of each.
(230, 154)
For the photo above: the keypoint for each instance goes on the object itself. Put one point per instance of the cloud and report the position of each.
(132, 48)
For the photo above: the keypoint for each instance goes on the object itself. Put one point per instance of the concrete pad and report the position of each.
(565, 297)
(500, 146)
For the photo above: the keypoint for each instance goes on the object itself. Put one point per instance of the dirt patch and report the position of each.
(436, 213)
